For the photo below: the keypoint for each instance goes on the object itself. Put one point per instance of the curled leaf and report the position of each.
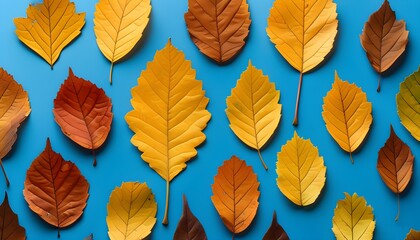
(347, 114)
(301, 171)
(235, 194)
(384, 39)
(83, 111)
(131, 212)
(413, 235)
(189, 227)
(49, 27)
(275, 232)
(353, 219)
(14, 108)
(9, 223)
(119, 25)
(55, 189)
(218, 28)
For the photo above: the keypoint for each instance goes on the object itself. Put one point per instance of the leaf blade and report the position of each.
(275, 231)
(413, 235)
(189, 227)
(9, 223)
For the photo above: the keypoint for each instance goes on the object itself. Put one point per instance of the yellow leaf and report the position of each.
(353, 220)
(131, 212)
(119, 25)
(413, 235)
(49, 27)
(169, 114)
(408, 104)
(253, 109)
(347, 114)
(301, 171)
(303, 32)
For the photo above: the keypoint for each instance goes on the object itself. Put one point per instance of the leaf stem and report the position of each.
(262, 161)
(295, 120)
(110, 73)
(4, 173)
(351, 158)
(58, 234)
(94, 157)
(165, 217)
(398, 204)
(379, 83)
(233, 236)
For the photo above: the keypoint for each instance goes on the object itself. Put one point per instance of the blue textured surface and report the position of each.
(119, 160)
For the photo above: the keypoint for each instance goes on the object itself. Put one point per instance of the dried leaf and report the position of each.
(235, 194)
(83, 111)
(119, 25)
(275, 232)
(49, 27)
(413, 235)
(395, 165)
(303, 32)
(55, 189)
(131, 212)
(408, 104)
(353, 219)
(189, 227)
(90, 237)
(347, 114)
(253, 109)
(384, 39)
(218, 28)
(9, 224)
(169, 114)
(14, 108)
(301, 171)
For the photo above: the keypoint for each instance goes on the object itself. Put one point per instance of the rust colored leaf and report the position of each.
(189, 227)
(83, 112)
(9, 224)
(395, 165)
(275, 232)
(235, 194)
(218, 28)
(384, 39)
(55, 189)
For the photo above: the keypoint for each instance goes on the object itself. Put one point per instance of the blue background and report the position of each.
(119, 160)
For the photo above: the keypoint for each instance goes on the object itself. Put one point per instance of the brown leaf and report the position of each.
(55, 189)
(189, 227)
(236, 194)
(83, 112)
(395, 164)
(218, 28)
(9, 224)
(384, 39)
(275, 232)
(90, 237)
(413, 235)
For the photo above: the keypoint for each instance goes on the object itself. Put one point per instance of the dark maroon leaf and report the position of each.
(275, 232)
(9, 224)
(189, 227)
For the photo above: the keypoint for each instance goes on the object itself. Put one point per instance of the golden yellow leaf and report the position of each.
(119, 25)
(303, 32)
(253, 109)
(347, 114)
(49, 27)
(301, 171)
(169, 114)
(131, 212)
(413, 235)
(353, 220)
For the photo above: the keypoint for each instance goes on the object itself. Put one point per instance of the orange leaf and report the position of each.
(83, 112)
(55, 189)
(236, 194)
(9, 224)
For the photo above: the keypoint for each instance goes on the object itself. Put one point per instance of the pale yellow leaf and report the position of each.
(301, 171)
(253, 109)
(131, 212)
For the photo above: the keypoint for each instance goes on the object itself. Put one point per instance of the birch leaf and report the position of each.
(169, 114)
(253, 109)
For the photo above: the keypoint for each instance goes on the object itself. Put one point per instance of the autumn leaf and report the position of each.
(49, 27)
(303, 32)
(83, 111)
(353, 219)
(218, 28)
(235, 194)
(301, 171)
(275, 232)
(119, 25)
(189, 227)
(253, 109)
(169, 114)
(90, 237)
(413, 235)
(14, 108)
(131, 212)
(347, 114)
(55, 189)
(9, 224)
(408, 104)
(395, 165)
(384, 39)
